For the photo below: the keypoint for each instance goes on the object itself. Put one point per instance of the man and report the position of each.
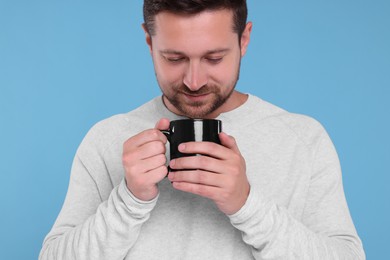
(274, 191)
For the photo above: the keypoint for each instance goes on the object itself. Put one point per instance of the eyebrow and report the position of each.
(169, 51)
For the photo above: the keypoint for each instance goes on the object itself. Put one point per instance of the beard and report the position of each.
(217, 95)
(198, 109)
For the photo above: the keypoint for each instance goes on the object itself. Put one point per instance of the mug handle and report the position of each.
(167, 133)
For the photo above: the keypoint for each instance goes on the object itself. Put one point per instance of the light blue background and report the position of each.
(64, 65)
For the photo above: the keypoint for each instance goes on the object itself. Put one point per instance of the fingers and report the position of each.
(146, 144)
(144, 161)
(137, 167)
(229, 142)
(196, 162)
(196, 177)
(149, 135)
(220, 173)
(206, 191)
(154, 176)
(204, 148)
(212, 149)
(162, 124)
(144, 137)
(147, 150)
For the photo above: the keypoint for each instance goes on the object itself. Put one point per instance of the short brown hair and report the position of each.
(153, 7)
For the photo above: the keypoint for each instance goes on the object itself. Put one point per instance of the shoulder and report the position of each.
(136, 118)
(119, 127)
(303, 127)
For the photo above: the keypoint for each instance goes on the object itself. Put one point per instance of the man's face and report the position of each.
(197, 61)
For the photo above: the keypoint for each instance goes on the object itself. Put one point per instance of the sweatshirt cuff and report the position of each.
(255, 205)
(134, 204)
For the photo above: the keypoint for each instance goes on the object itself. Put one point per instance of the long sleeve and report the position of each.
(99, 219)
(325, 231)
(107, 234)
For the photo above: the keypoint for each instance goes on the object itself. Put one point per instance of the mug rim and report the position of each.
(195, 119)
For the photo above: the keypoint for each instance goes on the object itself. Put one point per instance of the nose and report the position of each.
(195, 77)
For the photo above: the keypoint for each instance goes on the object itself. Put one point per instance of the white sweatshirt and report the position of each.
(296, 208)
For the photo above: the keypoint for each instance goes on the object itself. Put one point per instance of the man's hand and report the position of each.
(220, 176)
(144, 161)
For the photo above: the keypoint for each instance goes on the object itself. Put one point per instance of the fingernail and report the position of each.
(172, 163)
(182, 147)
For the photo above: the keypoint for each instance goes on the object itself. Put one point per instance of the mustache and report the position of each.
(203, 90)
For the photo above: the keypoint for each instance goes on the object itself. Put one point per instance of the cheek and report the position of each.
(168, 74)
(224, 74)
(227, 71)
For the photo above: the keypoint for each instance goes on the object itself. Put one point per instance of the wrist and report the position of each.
(137, 198)
(142, 196)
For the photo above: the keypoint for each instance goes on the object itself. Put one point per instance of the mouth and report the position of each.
(196, 97)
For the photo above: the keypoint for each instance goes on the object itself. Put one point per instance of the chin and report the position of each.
(196, 112)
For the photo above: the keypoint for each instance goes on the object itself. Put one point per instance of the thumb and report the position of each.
(162, 124)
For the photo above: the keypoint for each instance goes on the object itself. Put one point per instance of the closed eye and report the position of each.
(214, 60)
(175, 59)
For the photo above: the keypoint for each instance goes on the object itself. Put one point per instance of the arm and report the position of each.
(90, 226)
(326, 230)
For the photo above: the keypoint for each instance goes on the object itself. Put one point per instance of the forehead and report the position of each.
(209, 29)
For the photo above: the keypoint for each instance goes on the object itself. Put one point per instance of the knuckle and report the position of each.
(126, 158)
(234, 171)
(161, 159)
(202, 161)
(201, 176)
(157, 147)
(127, 144)
(162, 170)
(202, 190)
(153, 133)
(236, 157)
(161, 147)
(197, 189)
(180, 163)
(211, 147)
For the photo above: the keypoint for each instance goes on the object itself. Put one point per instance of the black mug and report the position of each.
(191, 130)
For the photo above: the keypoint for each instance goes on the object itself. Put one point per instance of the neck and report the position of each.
(235, 100)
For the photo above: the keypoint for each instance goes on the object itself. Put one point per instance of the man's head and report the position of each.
(196, 48)
(191, 7)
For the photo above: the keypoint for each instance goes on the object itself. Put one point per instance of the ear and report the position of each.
(148, 38)
(245, 38)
